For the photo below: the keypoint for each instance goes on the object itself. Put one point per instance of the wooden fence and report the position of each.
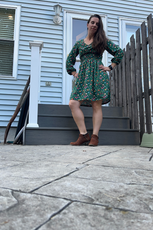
(132, 80)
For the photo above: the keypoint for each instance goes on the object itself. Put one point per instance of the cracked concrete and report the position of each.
(91, 217)
(76, 188)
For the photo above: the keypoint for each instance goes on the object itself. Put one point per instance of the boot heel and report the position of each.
(82, 140)
(86, 143)
(94, 140)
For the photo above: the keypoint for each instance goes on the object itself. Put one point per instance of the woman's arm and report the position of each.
(116, 51)
(71, 59)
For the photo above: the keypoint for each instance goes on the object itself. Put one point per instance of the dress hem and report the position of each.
(88, 102)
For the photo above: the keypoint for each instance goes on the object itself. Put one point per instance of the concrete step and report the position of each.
(63, 136)
(57, 127)
(67, 121)
(49, 109)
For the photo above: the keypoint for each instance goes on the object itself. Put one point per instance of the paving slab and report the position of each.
(67, 187)
(117, 195)
(30, 175)
(77, 154)
(115, 175)
(27, 211)
(79, 216)
(135, 158)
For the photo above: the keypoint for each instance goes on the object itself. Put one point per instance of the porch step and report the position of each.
(65, 110)
(56, 127)
(67, 121)
(63, 136)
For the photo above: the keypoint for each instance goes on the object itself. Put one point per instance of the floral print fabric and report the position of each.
(92, 84)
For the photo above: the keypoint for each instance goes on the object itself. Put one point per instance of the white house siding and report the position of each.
(36, 23)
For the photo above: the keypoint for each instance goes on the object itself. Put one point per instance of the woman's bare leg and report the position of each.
(97, 116)
(78, 116)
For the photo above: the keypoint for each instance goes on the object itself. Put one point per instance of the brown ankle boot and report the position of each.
(94, 140)
(83, 138)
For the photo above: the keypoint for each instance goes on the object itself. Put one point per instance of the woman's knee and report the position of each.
(73, 104)
(96, 105)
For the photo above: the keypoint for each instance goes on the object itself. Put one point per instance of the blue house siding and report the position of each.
(36, 23)
(40, 26)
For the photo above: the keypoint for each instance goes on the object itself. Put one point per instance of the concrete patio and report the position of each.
(76, 188)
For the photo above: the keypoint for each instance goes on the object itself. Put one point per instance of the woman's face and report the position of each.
(93, 25)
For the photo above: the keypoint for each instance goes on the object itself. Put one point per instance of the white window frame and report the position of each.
(16, 40)
(122, 29)
(68, 24)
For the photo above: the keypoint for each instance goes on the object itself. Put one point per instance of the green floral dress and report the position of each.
(92, 83)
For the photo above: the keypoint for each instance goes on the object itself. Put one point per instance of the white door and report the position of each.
(75, 29)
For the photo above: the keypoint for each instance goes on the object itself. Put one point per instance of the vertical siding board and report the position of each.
(146, 79)
(124, 85)
(120, 84)
(111, 88)
(150, 41)
(116, 85)
(133, 85)
(132, 81)
(139, 83)
(128, 76)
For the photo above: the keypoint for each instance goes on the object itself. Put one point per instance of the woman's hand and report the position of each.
(104, 68)
(75, 74)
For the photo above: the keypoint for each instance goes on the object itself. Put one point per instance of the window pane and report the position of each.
(6, 57)
(7, 17)
(130, 30)
(79, 30)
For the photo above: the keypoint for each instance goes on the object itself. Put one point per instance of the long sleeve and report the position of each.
(114, 50)
(71, 59)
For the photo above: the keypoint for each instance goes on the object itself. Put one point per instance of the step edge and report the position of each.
(68, 116)
(63, 105)
(73, 128)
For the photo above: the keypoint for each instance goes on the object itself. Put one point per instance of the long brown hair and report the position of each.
(100, 39)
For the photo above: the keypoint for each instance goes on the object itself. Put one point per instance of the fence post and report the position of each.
(133, 85)
(146, 79)
(124, 83)
(139, 83)
(120, 85)
(116, 85)
(150, 42)
(111, 88)
(36, 47)
(128, 77)
(147, 139)
(114, 88)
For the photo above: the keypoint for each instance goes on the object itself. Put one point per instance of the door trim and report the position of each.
(67, 46)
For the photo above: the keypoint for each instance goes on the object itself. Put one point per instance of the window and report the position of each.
(9, 39)
(128, 27)
(79, 31)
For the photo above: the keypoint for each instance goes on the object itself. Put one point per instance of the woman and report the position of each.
(92, 81)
